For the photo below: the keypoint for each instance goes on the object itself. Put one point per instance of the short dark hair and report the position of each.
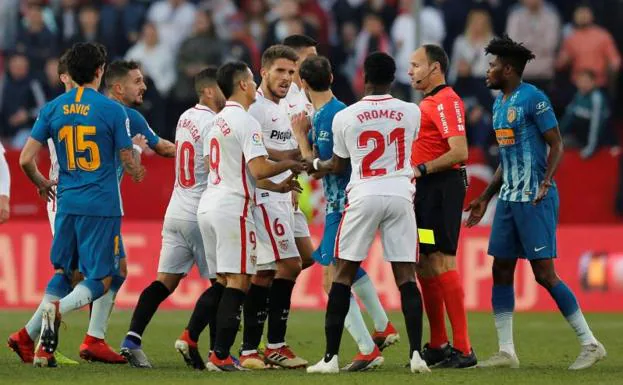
(379, 69)
(83, 60)
(278, 51)
(62, 64)
(316, 71)
(510, 52)
(435, 53)
(299, 41)
(118, 70)
(205, 78)
(228, 74)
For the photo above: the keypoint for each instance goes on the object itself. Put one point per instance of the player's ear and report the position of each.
(331, 79)
(263, 72)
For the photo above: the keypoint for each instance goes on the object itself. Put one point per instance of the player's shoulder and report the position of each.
(133, 114)
(531, 92)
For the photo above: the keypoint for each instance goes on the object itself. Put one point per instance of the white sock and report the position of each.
(33, 327)
(79, 297)
(100, 314)
(580, 326)
(365, 290)
(504, 326)
(357, 328)
(276, 346)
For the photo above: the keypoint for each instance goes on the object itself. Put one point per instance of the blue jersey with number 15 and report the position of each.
(88, 130)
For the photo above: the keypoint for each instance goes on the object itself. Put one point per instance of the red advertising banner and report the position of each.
(591, 262)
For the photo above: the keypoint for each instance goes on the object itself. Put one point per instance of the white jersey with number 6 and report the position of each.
(191, 176)
(376, 133)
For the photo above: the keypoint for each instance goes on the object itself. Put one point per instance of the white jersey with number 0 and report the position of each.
(376, 133)
(277, 135)
(234, 139)
(191, 176)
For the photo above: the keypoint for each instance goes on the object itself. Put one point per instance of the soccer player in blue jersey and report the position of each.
(91, 136)
(316, 78)
(525, 219)
(125, 84)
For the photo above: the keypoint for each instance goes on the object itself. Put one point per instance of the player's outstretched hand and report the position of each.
(4, 209)
(476, 210)
(140, 140)
(290, 184)
(542, 193)
(45, 190)
(300, 124)
(297, 167)
(139, 175)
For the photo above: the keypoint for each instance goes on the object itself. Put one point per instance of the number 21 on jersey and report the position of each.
(380, 145)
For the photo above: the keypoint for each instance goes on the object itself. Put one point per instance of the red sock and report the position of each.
(453, 295)
(433, 303)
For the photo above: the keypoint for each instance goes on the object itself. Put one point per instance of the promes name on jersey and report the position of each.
(76, 108)
(379, 114)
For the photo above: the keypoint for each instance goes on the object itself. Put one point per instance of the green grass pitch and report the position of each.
(545, 344)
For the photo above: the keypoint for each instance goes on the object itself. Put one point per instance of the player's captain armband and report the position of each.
(426, 236)
(505, 136)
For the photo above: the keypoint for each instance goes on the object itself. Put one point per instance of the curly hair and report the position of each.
(510, 52)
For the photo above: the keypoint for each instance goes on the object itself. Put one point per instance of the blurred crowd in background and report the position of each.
(577, 45)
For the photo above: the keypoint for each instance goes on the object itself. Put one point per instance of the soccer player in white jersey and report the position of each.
(278, 259)
(374, 135)
(237, 158)
(182, 245)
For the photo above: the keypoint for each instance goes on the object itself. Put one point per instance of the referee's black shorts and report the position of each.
(438, 207)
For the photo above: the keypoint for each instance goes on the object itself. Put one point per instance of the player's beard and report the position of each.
(275, 92)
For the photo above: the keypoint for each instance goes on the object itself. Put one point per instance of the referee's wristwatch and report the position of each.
(422, 168)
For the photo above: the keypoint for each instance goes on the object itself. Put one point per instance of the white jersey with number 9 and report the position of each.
(376, 133)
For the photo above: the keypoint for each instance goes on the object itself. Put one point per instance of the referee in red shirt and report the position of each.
(438, 153)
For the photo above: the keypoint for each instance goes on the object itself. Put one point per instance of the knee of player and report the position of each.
(503, 273)
(289, 268)
(239, 281)
(547, 279)
(171, 281)
(403, 272)
(263, 278)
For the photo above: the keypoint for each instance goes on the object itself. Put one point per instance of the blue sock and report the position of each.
(360, 274)
(566, 301)
(59, 285)
(570, 309)
(503, 302)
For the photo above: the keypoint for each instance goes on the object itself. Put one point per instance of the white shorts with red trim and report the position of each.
(275, 233)
(393, 216)
(182, 247)
(301, 228)
(229, 241)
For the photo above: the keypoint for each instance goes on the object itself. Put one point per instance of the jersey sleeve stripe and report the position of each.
(273, 243)
(79, 93)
